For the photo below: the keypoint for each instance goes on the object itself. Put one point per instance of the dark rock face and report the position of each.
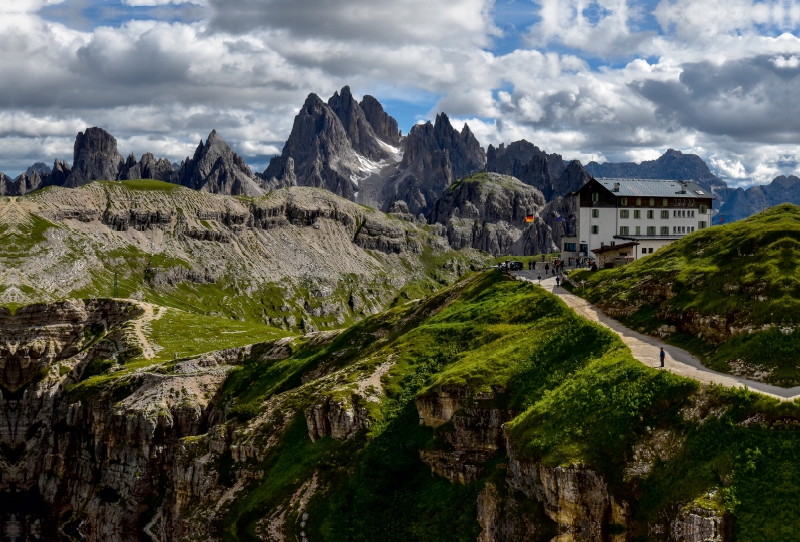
(671, 165)
(526, 162)
(487, 211)
(436, 155)
(60, 173)
(39, 167)
(574, 177)
(214, 168)
(95, 157)
(548, 173)
(26, 182)
(564, 208)
(742, 203)
(359, 130)
(147, 168)
(320, 151)
(385, 126)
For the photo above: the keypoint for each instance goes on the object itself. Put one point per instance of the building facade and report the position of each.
(645, 215)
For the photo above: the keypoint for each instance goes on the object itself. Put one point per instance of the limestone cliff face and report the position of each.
(214, 168)
(359, 130)
(436, 155)
(95, 157)
(575, 501)
(147, 168)
(339, 417)
(321, 153)
(383, 124)
(488, 212)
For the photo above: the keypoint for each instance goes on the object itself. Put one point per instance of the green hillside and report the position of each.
(573, 395)
(732, 292)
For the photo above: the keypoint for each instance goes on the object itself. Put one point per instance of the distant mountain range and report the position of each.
(355, 150)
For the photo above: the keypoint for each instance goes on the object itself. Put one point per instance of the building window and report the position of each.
(569, 247)
(674, 214)
(664, 214)
(595, 197)
(702, 225)
(637, 214)
(664, 202)
(652, 202)
(624, 213)
(644, 251)
(623, 201)
(703, 209)
(595, 230)
(651, 230)
(692, 213)
(651, 250)
(638, 202)
(638, 230)
(595, 213)
(664, 230)
(623, 230)
(651, 214)
(584, 248)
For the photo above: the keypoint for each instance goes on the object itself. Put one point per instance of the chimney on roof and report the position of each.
(683, 188)
(616, 187)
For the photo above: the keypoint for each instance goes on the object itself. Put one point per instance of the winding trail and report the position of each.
(646, 348)
(138, 328)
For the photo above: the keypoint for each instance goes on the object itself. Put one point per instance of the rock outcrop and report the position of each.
(39, 167)
(214, 168)
(359, 130)
(339, 417)
(528, 163)
(95, 157)
(147, 168)
(436, 155)
(320, 152)
(488, 212)
(384, 126)
(741, 203)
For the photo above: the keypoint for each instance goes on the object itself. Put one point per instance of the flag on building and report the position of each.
(529, 218)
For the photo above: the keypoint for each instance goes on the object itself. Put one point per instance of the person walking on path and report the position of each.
(663, 356)
(540, 278)
(546, 268)
(558, 282)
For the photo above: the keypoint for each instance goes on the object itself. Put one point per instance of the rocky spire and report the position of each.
(95, 157)
(214, 168)
(385, 126)
(320, 149)
(435, 156)
(358, 129)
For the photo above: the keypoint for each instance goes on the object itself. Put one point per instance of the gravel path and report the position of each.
(646, 348)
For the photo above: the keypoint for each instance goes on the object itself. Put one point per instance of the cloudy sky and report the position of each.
(615, 80)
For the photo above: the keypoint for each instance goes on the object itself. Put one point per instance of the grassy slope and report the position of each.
(582, 397)
(745, 273)
(128, 266)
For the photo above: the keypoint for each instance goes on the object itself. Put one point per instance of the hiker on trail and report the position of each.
(663, 356)
(546, 268)
(558, 282)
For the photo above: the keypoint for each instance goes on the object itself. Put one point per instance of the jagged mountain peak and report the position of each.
(383, 124)
(214, 168)
(359, 131)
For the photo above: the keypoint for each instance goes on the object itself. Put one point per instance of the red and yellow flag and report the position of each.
(529, 218)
